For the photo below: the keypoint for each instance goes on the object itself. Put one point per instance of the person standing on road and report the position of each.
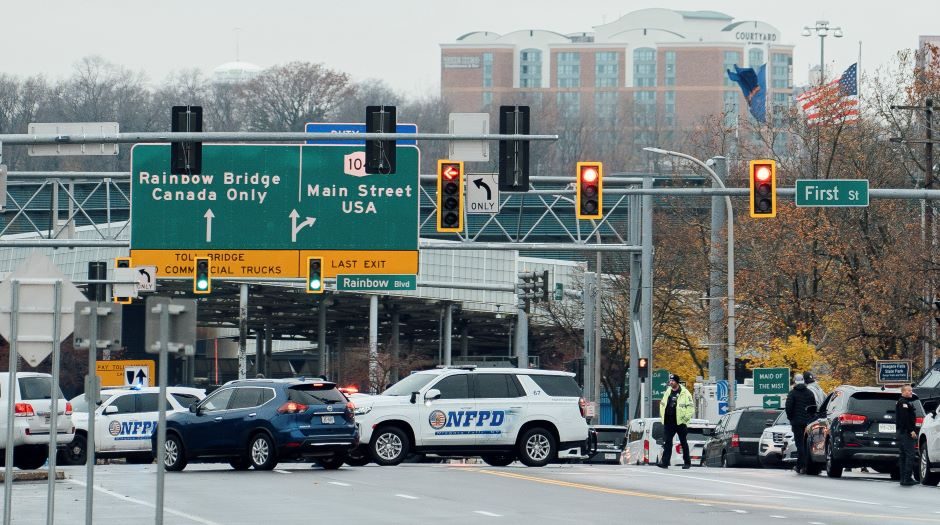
(675, 410)
(814, 387)
(799, 398)
(906, 434)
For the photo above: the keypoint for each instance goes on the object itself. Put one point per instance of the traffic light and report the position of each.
(643, 369)
(449, 196)
(589, 200)
(202, 280)
(513, 154)
(763, 189)
(186, 157)
(122, 262)
(543, 286)
(314, 274)
(380, 154)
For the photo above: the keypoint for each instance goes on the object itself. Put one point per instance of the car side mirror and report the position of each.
(708, 431)
(432, 394)
(812, 409)
(194, 408)
(110, 409)
(659, 441)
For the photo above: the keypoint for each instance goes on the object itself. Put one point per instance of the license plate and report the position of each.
(610, 456)
(886, 428)
(327, 420)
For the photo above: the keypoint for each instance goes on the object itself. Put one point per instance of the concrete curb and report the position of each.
(32, 475)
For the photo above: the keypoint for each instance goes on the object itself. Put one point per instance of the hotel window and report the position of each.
(605, 109)
(530, 68)
(644, 67)
(644, 109)
(487, 69)
(669, 108)
(732, 58)
(781, 109)
(569, 70)
(569, 104)
(731, 109)
(487, 98)
(755, 57)
(782, 65)
(607, 69)
(670, 68)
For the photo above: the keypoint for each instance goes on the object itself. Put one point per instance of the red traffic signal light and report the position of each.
(449, 196)
(589, 198)
(763, 177)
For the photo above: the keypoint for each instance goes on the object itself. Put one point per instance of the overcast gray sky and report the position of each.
(397, 41)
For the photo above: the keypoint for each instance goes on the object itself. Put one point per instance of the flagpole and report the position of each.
(858, 78)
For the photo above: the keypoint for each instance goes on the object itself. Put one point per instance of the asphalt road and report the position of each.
(473, 493)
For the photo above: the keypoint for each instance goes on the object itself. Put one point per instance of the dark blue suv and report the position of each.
(258, 422)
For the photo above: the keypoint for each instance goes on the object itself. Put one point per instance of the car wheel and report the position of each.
(331, 463)
(358, 457)
(926, 476)
(724, 460)
(498, 460)
(240, 464)
(30, 457)
(537, 447)
(389, 446)
(812, 468)
(833, 468)
(76, 452)
(174, 457)
(261, 453)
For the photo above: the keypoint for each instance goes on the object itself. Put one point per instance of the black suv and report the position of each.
(855, 428)
(736, 439)
(258, 422)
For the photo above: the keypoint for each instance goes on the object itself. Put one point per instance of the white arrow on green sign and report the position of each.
(832, 192)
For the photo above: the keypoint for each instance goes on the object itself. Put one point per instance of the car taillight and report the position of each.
(646, 451)
(678, 448)
(23, 410)
(735, 441)
(852, 419)
(919, 421)
(351, 409)
(582, 405)
(291, 407)
(68, 409)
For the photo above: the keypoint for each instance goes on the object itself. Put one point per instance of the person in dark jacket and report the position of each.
(906, 434)
(798, 400)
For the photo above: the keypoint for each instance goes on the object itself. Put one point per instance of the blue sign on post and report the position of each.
(722, 395)
(353, 129)
(893, 372)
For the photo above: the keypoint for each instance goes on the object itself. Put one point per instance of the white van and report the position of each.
(31, 419)
(643, 441)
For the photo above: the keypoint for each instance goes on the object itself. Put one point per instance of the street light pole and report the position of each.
(731, 321)
(822, 29)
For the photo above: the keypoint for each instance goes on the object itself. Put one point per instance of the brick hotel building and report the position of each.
(650, 68)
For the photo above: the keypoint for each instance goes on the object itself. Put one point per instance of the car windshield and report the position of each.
(36, 387)
(753, 422)
(406, 386)
(782, 419)
(310, 394)
(615, 437)
(878, 403)
(697, 434)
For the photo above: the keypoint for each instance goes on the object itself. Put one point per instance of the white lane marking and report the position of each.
(406, 496)
(166, 509)
(739, 511)
(490, 514)
(821, 523)
(778, 517)
(340, 483)
(706, 505)
(761, 487)
(279, 471)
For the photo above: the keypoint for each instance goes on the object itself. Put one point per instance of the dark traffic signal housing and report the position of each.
(513, 154)
(122, 262)
(763, 188)
(449, 196)
(314, 274)
(202, 278)
(589, 199)
(380, 154)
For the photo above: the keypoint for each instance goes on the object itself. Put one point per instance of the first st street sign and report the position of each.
(261, 210)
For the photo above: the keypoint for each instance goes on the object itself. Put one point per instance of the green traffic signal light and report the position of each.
(202, 282)
(314, 275)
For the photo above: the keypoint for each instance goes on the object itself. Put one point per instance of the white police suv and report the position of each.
(124, 422)
(499, 414)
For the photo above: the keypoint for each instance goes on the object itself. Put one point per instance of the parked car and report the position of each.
(928, 387)
(735, 441)
(644, 436)
(124, 421)
(696, 438)
(611, 443)
(929, 445)
(773, 441)
(259, 422)
(855, 428)
(790, 454)
(32, 424)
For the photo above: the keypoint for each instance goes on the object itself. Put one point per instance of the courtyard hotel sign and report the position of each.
(755, 36)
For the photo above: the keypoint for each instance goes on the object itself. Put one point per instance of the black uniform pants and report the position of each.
(907, 458)
(670, 432)
(799, 436)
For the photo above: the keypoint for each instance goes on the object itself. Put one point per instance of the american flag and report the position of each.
(834, 103)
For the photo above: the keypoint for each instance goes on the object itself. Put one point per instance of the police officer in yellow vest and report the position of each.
(676, 410)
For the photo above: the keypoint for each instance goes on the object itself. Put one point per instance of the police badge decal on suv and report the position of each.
(499, 414)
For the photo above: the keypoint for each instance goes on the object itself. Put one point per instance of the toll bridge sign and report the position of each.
(260, 210)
